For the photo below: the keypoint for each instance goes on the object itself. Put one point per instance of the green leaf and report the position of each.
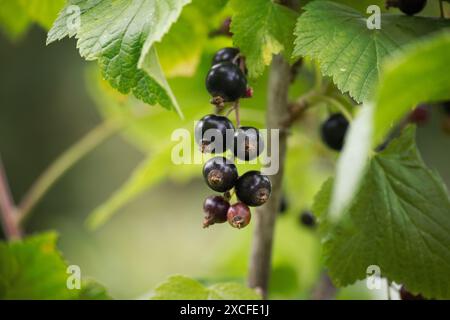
(418, 75)
(33, 269)
(262, 28)
(352, 162)
(180, 287)
(338, 37)
(404, 84)
(92, 290)
(120, 35)
(399, 220)
(183, 45)
(231, 291)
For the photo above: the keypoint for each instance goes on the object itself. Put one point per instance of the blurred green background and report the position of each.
(49, 100)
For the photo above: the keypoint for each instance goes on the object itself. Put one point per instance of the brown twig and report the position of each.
(8, 210)
(277, 112)
(324, 288)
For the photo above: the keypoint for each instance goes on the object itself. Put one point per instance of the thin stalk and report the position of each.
(7, 208)
(264, 216)
(338, 105)
(63, 163)
(236, 110)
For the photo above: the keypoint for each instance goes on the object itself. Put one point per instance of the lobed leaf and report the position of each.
(180, 287)
(120, 35)
(347, 50)
(398, 220)
(262, 28)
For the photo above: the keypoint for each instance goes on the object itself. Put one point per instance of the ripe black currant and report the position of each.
(283, 207)
(239, 215)
(227, 81)
(253, 188)
(333, 131)
(248, 143)
(446, 107)
(220, 174)
(419, 115)
(216, 209)
(406, 295)
(409, 7)
(307, 219)
(226, 55)
(214, 133)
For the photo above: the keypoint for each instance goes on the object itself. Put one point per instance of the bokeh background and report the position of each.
(50, 98)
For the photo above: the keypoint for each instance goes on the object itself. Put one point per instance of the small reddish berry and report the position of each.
(249, 92)
(239, 215)
(419, 115)
(216, 209)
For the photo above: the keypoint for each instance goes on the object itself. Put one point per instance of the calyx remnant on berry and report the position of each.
(239, 215)
(253, 188)
(220, 174)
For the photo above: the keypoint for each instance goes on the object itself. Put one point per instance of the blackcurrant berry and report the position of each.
(333, 131)
(227, 81)
(226, 55)
(419, 115)
(253, 188)
(220, 174)
(216, 209)
(248, 143)
(239, 215)
(307, 219)
(214, 133)
(406, 295)
(409, 7)
(283, 207)
(446, 107)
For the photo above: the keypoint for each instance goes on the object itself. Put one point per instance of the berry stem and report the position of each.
(276, 115)
(338, 105)
(8, 210)
(236, 110)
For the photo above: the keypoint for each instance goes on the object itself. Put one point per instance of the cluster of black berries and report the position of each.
(226, 82)
(409, 7)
